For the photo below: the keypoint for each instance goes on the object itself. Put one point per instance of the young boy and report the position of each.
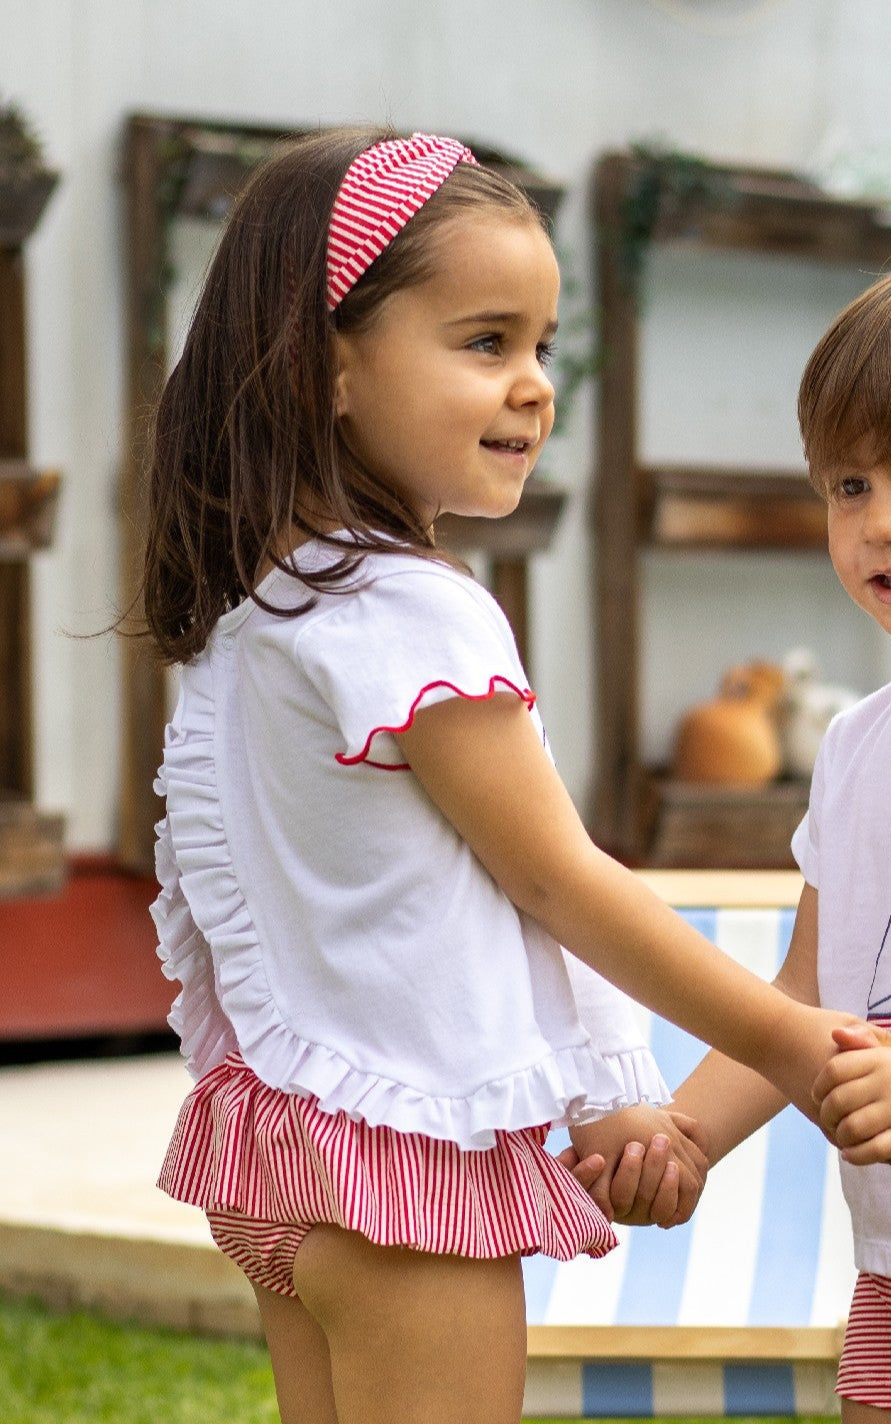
(840, 953)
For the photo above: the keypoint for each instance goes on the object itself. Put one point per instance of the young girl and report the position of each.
(368, 862)
(840, 954)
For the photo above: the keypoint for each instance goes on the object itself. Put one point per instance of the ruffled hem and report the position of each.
(226, 1002)
(639, 1078)
(242, 1146)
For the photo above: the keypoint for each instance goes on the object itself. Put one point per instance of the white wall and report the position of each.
(787, 82)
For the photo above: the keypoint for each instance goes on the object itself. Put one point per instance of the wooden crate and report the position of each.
(737, 827)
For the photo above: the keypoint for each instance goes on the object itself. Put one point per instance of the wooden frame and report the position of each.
(684, 1342)
(637, 815)
(192, 167)
(31, 849)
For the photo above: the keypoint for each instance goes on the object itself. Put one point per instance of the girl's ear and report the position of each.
(341, 380)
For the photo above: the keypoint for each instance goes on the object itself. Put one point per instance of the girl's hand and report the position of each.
(641, 1165)
(854, 1094)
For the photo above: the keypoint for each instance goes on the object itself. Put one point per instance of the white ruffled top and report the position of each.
(319, 912)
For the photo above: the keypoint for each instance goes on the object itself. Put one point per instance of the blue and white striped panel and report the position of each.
(769, 1244)
(605, 1389)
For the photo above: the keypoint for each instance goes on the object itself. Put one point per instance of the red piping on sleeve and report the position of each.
(526, 694)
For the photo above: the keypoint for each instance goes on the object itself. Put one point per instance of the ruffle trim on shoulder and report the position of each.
(209, 943)
(441, 685)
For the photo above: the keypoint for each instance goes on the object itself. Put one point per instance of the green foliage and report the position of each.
(660, 178)
(21, 151)
(77, 1369)
(579, 358)
(663, 176)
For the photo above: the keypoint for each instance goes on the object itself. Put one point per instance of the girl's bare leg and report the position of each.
(411, 1336)
(854, 1413)
(301, 1364)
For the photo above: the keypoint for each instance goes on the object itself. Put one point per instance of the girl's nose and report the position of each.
(532, 385)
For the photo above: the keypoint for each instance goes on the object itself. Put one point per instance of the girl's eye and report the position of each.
(545, 352)
(490, 344)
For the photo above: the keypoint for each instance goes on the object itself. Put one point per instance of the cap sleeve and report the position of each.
(407, 639)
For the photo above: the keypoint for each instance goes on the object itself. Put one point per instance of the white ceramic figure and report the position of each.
(806, 708)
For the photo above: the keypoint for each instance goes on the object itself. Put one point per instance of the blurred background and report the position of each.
(793, 90)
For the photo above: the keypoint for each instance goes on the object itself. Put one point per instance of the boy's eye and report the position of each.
(851, 486)
(545, 352)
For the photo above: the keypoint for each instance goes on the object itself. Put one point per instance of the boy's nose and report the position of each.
(877, 525)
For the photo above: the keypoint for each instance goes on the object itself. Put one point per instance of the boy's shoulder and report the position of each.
(868, 720)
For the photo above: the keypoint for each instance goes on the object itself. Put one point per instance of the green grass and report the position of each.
(79, 1369)
(76, 1369)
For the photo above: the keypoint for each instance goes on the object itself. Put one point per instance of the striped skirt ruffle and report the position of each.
(864, 1371)
(258, 1154)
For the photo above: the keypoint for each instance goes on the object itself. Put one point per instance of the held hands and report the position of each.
(853, 1093)
(641, 1165)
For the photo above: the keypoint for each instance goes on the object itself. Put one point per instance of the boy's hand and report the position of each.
(854, 1094)
(641, 1165)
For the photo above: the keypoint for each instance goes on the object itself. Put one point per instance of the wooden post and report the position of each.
(143, 675)
(16, 753)
(615, 819)
(509, 587)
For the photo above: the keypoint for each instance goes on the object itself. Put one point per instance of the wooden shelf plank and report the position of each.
(780, 213)
(725, 889)
(688, 507)
(688, 1342)
(28, 503)
(214, 160)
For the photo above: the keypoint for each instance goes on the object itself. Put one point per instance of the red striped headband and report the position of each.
(383, 187)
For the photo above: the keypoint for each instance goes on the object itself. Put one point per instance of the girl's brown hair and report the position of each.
(844, 401)
(246, 444)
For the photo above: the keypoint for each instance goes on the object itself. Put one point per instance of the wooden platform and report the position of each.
(81, 962)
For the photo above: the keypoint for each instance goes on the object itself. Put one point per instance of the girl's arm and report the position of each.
(484, 766)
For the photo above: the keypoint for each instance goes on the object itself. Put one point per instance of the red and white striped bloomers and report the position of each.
(864, 1371)
(267, 1166)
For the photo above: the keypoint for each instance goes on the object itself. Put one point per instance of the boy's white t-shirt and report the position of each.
(322, 915)
(843, 847)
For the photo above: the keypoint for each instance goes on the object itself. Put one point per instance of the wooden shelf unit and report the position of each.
(637, 814)
(31, 851)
